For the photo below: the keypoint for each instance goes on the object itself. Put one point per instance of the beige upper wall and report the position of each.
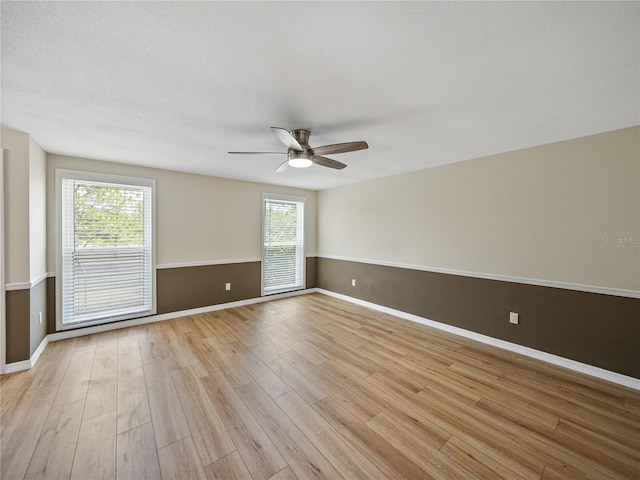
(16, 206)
(565, 212)
(37, 211)
(199, 219)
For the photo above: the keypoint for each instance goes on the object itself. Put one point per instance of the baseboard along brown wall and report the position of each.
(596, 329)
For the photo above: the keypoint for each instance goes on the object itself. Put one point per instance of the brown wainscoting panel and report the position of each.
(185, 288)
(38, 304)
(311, 275)
(599, 330)
(17, 317)
(51, 305)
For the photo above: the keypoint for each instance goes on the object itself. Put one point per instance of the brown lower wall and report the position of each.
(18, 325)
(193, 287)
(24, 330)
(599, 330)
(37, 305)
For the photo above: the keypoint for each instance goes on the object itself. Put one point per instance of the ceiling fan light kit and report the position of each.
(300, 159)
(301, 155)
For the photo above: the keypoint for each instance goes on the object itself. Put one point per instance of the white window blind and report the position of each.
(283, 235)
(106, 257)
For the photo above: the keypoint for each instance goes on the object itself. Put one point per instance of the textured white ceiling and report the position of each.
(178, 84)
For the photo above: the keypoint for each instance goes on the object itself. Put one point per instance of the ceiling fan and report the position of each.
(301, 155)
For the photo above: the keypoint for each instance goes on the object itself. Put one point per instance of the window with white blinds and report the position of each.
(105, 248)
(283, 243)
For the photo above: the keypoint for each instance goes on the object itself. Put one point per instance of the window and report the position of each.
(105, 248)
(283, 243)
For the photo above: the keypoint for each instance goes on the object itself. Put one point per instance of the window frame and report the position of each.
(284, 198)
(123, 180)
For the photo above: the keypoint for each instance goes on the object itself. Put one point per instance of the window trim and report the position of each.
(285, 198)
(105, 178)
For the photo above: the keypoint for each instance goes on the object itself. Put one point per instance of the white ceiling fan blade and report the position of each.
(340, 148)
(327, 162)
(283, 166)
(287, 139)
(257, 153)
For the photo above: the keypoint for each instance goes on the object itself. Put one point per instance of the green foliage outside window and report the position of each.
(107, 216)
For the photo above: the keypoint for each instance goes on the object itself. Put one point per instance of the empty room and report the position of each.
(319, 240)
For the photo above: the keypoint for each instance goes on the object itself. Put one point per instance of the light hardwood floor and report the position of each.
(308, 387)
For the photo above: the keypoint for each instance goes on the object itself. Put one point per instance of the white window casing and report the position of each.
(283, 243)
(105, 248)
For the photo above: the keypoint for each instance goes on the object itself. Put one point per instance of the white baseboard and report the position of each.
(597, 372)
(39, 350)
(17, 366)
(27, 364)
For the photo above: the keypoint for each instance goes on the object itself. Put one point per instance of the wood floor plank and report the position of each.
(455, 417)
(329, 380)
(285, 474)
(410, 440)
(301, 455)
(528, 445)
(348, 460)
(75, 381)
(178, 351)
(12, 387)
(102, 393)
(229, 467)
(465, 458)
(309, 390)
(281, 341)
(53, 455)
(136, 454)
(150, 343)
(21, 431)
(129, 356)
(95, 455)
(257, 450)
(163, 399)
(479, 465)
(234, 372)
(180, 460)
(132, 401)
(620, 458)
(102, 396)
(392, 462)
(258, 371)
(207, 429)
(522, 412)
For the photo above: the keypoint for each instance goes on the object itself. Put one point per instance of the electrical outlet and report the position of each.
(40, 317)
(513, 318)
(227, 286)
(353, 282)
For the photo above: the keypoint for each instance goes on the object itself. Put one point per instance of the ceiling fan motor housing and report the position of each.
(302, 136)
